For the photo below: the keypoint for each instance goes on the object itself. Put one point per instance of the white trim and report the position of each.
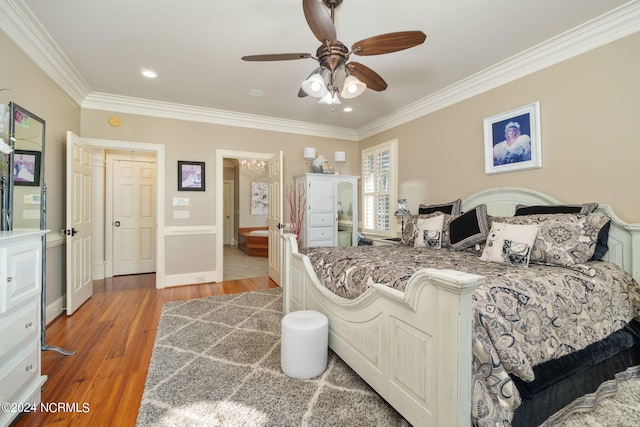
(190, 230)
(19, 23)
(191, 278)
(169, 110)
(159, 150)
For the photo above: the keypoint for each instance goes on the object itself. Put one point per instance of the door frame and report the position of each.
(220, 156)
(159, 151)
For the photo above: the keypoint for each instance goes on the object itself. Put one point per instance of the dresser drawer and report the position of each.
(17, 327)
(322, 220)
(322, 233)
(18, 371)
(20, 277)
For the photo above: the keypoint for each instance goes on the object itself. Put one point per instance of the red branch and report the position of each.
(297, 205)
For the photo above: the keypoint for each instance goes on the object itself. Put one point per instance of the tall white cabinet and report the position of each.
(331, 217)
(20, 325)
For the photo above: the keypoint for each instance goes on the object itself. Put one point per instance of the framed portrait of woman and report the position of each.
(512, 140)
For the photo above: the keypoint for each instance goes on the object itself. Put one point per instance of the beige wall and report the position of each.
(32, 89)
(590, 109)
(184, 140)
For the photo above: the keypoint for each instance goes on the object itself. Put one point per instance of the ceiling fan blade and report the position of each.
(367, 76)
(387, 43)
(319, 20)
(276, 57)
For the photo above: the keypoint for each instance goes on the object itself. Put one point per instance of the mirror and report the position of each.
(22, 205)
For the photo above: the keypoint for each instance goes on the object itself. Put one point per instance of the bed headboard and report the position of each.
(624, 238)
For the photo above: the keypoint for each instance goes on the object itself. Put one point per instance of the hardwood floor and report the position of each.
(113, 335)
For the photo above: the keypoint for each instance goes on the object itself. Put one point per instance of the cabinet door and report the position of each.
(22, 278)
(321, 196)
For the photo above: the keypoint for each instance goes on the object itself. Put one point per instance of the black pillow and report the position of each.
(602, 244)
(451, 208)
(470, 228)
(586, 209)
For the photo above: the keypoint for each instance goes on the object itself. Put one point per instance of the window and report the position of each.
(379, 183)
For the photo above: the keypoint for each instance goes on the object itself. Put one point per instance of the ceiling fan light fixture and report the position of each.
(352, 87)
(314, 86)
(330, 99)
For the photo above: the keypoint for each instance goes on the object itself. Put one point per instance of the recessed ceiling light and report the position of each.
(256, 92)
(347, 109)
(149, 74)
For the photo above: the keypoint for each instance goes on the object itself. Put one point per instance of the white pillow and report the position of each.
(510, 243)
(429, 232)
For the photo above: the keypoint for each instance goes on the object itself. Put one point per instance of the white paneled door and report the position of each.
(79, 216)
(134, 217)
(275, 221)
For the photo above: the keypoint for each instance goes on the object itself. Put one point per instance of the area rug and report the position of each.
(216, 362)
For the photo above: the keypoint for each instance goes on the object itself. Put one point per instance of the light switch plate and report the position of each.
(180, 201)
(180, 214)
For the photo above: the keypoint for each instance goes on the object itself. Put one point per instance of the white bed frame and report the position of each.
(414, 347)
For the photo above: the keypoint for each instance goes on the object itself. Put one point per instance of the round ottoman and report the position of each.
(304, 346)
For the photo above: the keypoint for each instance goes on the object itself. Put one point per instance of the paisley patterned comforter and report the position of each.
(522, 316)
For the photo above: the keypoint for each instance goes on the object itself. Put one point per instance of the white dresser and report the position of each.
(20, 335)
(332, 201)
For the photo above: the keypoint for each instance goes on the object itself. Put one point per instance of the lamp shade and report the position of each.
(340, 157)
(309, 153)
(352, 87)
(314, 86)
(330, 99)
(403, 209)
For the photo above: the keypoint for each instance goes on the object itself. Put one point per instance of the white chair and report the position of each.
(304, 345)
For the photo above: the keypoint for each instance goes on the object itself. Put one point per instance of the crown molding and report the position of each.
(26, 31)
(19, 23)
(169, 110)
(619, 23)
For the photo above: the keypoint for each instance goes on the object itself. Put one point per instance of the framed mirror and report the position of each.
(25, 171)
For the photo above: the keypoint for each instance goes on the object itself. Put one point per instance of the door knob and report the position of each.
(72, 232)
(116, 224)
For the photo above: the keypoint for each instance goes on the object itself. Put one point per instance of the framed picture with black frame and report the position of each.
(191, 176)
(26, 167)
(512, 140)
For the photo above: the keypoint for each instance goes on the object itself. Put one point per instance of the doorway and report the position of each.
(223, 157)
(102, 263)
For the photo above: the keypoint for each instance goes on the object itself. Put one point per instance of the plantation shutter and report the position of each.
(377, 188)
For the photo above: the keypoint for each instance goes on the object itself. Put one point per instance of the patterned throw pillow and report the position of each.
(469, 229)
(411, 228)
(510, 243)
(429, 232)
(451, 208)
(563, 239)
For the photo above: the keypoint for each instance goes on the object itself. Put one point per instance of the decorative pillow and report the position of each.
(470, 228)
(451, 208)
(510, 243)
(429, 233)
(586, 208)
(563, 239)
(411, 228)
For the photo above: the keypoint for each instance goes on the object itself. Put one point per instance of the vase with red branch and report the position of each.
(297, 199)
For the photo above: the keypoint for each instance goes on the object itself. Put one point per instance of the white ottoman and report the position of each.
(304, 345)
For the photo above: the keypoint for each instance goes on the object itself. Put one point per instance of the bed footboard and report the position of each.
(412, 347)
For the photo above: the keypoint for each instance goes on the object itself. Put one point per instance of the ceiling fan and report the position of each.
(335, 70)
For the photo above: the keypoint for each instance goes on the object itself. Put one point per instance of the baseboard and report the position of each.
(54, 309)
(190, 278)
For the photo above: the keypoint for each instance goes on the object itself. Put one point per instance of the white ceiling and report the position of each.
(195, 46)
